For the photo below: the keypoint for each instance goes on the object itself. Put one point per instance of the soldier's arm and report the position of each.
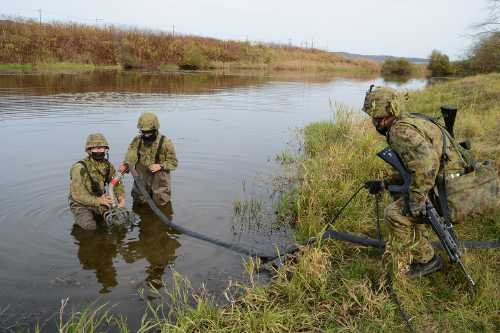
(131, 155)
(419, 157)
(78, 191)
(169, 161)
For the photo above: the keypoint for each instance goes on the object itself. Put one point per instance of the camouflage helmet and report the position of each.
(148, 121)
(96, 140)
(382, 102)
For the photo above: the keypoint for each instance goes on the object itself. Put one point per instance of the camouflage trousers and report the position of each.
(408, 234)
(86, 217)
(157, 185)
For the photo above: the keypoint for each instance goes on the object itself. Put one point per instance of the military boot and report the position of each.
(418, 269)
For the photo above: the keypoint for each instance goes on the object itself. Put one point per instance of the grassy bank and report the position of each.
(28, 42)
(336, 287)
(60, 67)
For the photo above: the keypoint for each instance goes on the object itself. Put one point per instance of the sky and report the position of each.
(406, 28)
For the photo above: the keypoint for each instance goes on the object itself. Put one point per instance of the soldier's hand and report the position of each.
(155, 168)
(123, 167)
(374, 186)
(121, 202)
(105, 200)
(417, 209)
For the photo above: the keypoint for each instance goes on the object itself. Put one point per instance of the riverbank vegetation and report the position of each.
(402, 67)
(484, 57)
(28, 43)
(339, 287)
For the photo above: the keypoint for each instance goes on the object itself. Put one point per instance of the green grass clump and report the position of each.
(15, 68)
(58, 67)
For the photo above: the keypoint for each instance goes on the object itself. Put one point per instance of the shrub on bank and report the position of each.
(401, 67)
(439, 64)
(193, 58)
(485, 55)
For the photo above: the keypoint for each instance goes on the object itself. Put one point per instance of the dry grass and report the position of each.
(27, 42)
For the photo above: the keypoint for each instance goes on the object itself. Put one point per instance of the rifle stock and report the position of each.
(449, 115)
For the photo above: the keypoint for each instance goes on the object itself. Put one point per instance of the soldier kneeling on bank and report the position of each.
(88, 200)
(441, 169)
(153, 156)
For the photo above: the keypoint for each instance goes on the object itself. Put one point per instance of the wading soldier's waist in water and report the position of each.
(88, 200)
(153, 156)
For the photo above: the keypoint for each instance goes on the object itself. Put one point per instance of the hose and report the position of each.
(193, 234)
(117, 215)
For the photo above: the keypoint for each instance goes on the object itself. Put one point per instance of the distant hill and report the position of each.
(380, 58)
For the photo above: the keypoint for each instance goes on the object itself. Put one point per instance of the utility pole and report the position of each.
(39, 15)
(173, 30)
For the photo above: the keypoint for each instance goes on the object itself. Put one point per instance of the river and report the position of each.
(227, 130)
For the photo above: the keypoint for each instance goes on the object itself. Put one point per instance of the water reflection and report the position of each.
(397, 78)
(117, 81)
(156, 242)
(96, 251)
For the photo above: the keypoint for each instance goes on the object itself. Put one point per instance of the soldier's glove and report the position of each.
(417, 209)
(374, 186)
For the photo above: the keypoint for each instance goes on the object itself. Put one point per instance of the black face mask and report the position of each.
(148, 137)
(380, 129)
(98, 156)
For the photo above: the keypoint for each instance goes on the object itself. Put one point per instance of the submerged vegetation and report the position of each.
(28, 42)
(338, 287)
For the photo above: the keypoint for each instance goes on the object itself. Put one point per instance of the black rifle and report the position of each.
(443, 229)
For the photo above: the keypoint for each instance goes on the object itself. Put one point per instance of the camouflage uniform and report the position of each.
(83, 198)
(142, 156)
(419, 143)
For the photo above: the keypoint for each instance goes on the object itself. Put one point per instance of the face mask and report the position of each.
(98, 156)
(149, 137)
(378, 126)
(382, 131)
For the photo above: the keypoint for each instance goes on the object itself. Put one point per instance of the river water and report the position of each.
(227, 130)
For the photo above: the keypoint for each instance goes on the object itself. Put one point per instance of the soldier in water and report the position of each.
(153, 156)
(88, 200)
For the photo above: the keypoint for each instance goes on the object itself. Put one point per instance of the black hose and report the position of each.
(346, 204)
(230, 246)
(366, 241)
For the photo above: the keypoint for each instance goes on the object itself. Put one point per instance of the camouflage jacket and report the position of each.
(138, 152)
(419, 143)
(80, 189)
